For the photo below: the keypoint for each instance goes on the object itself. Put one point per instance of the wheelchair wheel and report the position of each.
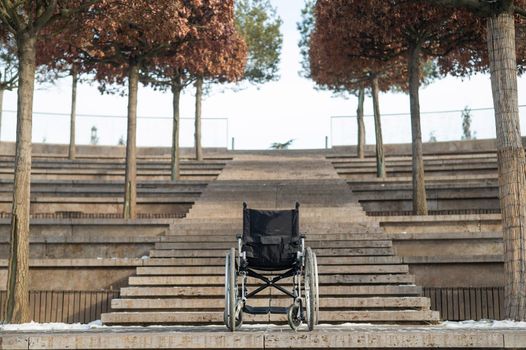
(294, 316)
(310, 289)
(231, 321)
(316, 290)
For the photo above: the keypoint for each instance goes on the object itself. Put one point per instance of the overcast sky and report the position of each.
(287, 109)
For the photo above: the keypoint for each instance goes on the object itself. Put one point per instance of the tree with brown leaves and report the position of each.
(221, 58)
(402, 31)
(124, 41)
(503, 20)
(25, 20)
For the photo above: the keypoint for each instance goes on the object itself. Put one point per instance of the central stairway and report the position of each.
(361, 278)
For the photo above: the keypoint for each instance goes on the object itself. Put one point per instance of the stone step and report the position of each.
(211, 229)
(218, 280)
(220, 261)
(237, 224)
(208, 217)
(391, 316)
(209, 291)
(310, 212)
(218, 303)
(220, 270)
(319, 252)
(309, 238)
(313, 244)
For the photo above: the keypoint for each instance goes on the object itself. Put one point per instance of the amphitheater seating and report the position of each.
(458, 247)
(373, 247)
(455, 183)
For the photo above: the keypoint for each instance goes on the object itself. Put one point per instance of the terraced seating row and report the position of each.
(454, 197)
(113, 169)
(86, 187)
(459, 245)
(435, 165)
(445, 251)
(455, 183)
(96, 198)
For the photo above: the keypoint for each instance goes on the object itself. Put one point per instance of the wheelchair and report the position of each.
(271, 249)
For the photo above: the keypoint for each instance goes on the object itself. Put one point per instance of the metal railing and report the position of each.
(152, 131)
(436, 126)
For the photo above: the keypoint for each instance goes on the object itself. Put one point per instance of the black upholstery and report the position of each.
(271, 238)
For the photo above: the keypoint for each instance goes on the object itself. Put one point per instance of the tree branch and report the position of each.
(43, 19)
(12, 18)
(481, 7)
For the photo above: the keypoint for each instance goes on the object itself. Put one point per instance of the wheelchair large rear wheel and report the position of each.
(231, 318)
(310, 289)
(317, 289)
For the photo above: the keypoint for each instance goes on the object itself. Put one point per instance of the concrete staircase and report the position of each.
(361, 278)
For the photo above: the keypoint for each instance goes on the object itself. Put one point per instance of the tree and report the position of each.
(221, 59)
(218, 58)
(334, 64)
(123, 42)
(306, 27)
(259, 25)
(500, 18)
(411, 32)
(25, 20)
(284, 145)
(57, 58)
(169, 74)
(8, 68)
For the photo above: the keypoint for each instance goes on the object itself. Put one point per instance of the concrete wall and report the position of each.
(449, 147)
(55, 150)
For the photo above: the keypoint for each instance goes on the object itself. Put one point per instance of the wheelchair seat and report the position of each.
(271, 238)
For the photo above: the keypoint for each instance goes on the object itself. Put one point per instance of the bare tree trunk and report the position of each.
(176, 92)
(198, 100)
(17, 299)
(503, 66)
(130, 189)
(73, 118)
(361, 124)
(419, 185)
(1, 109)
(380, 158)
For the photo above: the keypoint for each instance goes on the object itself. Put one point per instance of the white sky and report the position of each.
(276, 112)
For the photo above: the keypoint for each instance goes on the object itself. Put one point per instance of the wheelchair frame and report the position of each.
(304, 272)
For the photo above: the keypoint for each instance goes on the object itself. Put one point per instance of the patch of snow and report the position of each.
(34, 326)
(145, 257)
(345, 325)
(484, 324)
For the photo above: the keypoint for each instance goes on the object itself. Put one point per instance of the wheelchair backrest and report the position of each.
(271, 238)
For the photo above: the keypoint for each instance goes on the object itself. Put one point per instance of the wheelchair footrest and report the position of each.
(265, 310)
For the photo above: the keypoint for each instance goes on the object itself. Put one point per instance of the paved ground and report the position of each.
(268, 337)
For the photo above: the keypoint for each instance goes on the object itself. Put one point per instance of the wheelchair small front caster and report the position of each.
(294, 316)
(239, 321)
